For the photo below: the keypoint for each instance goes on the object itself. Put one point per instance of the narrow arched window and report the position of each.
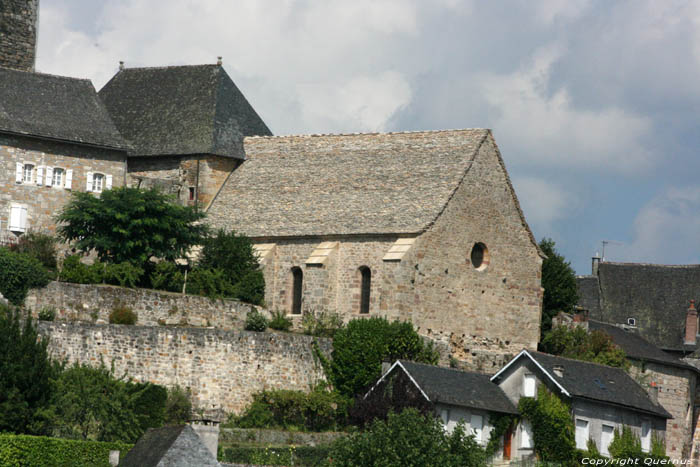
(365, 289)
(297, 283)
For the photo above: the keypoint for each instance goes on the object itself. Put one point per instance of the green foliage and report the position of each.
(122, 274)
(167, 276)
(130, 225)
(211, 283)
(255, 321)
(501, 423)
(559, 282)
(552, 427)
(77, 272)
(319, 410)
(626, 445)
(25, 372)
(122, 315)
(39, 246)
(20, 272)
(591, 451)
(285, 455)
(408, 439)
(360, 348)
(251, 288)
(658, 448)
(579, 344)
(178, 408)
(231, 253)
(39, 451)
(322, 324)
(47, 313)
(280, 322)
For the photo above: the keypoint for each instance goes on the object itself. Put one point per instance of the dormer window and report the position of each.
(631, 322)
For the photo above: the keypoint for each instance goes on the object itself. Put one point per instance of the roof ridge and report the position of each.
(458, 370)
(405, 132)
(166, 67)
(39, 73)
(677, 266)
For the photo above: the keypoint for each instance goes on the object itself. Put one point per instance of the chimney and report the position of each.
(595, 262)
(558, 370)
(121, 65)
(653, 392)
(219, 61)
(691, 324)
(581, 317)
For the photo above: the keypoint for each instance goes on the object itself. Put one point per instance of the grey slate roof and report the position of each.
(344, 184)
(656, 296)
(172, 446)
(55, 107)
(589, 294)
(461, 388)
(596, 382)
(181, 110)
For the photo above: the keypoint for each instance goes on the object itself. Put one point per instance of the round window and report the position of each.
(480, 256)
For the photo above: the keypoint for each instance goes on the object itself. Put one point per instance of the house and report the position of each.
(171, 446)
(456, 396)
(602, 399)
(185, 126)
(416, 226)
(55, 138)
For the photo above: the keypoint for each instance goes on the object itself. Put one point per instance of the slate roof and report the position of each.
(181, 110)
(594, 382)
(55, 107)
(656, 296)
(589, 294)
(461, 388)
(172, 446)
(373, 183)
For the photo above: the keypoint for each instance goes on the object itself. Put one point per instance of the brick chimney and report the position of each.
(691, 324)
(595, 262)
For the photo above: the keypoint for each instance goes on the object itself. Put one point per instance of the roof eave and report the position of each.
(64, 140)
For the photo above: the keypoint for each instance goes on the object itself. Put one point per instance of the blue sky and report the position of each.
(594, 104)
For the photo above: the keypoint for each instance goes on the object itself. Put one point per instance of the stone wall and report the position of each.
(93, 303)
(18, 33)
(44, 201)
(223, 369)
(276, 437)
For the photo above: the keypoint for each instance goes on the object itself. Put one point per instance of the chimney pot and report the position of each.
(219, 61)
(121, 64)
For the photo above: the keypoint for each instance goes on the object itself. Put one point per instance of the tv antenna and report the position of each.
(608, 242)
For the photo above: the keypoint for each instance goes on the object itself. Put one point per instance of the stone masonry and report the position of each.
(18, 33)
(222, 369)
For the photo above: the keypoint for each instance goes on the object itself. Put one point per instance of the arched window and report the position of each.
(297, 283)
(366, 286)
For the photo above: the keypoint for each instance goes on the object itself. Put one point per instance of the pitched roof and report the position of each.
(378, 183)
(455, 387)
(176, 446)
(589, 294)
(55, 107)
(181, 110)
(656, 296)
(592, 381)
(635, 346)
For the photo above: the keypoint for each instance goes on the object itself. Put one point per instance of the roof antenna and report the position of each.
(605, 242)
(219, 61)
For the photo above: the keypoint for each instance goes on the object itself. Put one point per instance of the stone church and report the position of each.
(418, 226)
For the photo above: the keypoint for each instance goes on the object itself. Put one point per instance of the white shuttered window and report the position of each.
(18, 218)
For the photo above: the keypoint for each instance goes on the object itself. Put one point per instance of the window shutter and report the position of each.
(18, 218)
(23, 218)
(108, 186)
(88, 185)
(40, 175)
(49, 176)
(18, 172)
(69, 179)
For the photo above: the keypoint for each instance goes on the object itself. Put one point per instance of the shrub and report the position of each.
(122, 274)
(251, 288)
(211, 283)
(47, 313)
(167, 276)
(77, 272)
(360, 348)
(284, 455)
(255, 321)
(323, 324)
(39, 246)
(626, 445)
(122, 315)
(579, 344)
(178, 408)
(280, 322)
(36, 451)
(231, 253)
(20, 272)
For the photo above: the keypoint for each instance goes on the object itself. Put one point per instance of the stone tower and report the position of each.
(18, 33)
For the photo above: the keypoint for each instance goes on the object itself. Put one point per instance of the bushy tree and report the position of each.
(231, 253)
(20, 272)
(178, 407)
(408, 439)
(559, 283)
(40, 246)
(130, 225)
(579, 344)
(360, 348)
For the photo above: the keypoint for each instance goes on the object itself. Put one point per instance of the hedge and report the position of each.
(38, 451)
(281, 455)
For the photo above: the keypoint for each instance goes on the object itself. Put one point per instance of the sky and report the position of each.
(595, 105)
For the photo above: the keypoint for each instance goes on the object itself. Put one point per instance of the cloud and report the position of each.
(543, 202)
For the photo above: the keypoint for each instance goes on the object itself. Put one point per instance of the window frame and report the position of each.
(62, 181)
(645, 440)
(95, 177)
(585, 434)
(297, 289)
(32, 178)
(529, 377)
(365, 290)
(604, 448)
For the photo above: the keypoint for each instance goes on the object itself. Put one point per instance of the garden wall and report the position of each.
(223, 369)
(93, 303)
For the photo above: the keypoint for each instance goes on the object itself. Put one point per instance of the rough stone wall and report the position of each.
(223, 369)
(43, 201)
(18, 33)
(676, 393)
(277, 437)
(93, 303)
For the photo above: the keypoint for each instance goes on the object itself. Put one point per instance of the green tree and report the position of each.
(408, 439)
(360, 348)
(25, 372)
(40, 246)
(559, 282)
(130, 225)
(18, 273)
(233, 254)
(579, 344)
